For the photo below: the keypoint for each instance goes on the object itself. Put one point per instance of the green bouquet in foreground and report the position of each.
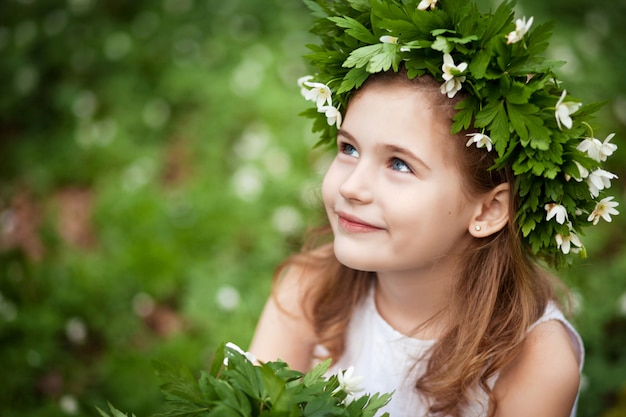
(236, 387)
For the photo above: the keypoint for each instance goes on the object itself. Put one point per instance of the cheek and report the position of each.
(329, 185)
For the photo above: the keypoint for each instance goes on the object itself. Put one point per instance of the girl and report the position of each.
(422, 281)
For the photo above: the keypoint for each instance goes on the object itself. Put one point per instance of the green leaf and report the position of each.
(540, 135)
(389, 57)
(387, 10)
(360, 5)
(316, 373)
(322, 406)
(114, 412)
(465, 111)
(499, 131)
(179, 382)
(528, 227)
(273, 385)
(501, 18)
(519, 93)
(231, 397)
(205, 383)
(441, 44)
(178, 408)
(315, 8)
(519, 116)
(480, 62)
(361, 57)
(353, 79)
(218, 359)
(439, 32)
(488, 113)
(224, 410)
(538, 38)
(355, 29)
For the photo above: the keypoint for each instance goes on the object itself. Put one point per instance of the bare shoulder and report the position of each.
(544, 380)
(284, 330)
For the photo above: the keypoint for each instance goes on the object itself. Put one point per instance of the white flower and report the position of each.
(302, 83)
(248, 355)
(599, 180)
(565, 243)
(564, 110)
(349, 384)
(597, 150)
(521, 27)
(582, 173)
(557, 211)
(320, 94)
(316, 92)
(388, 39)
(481, 140)
(333, 115)
(452, 76)
(604, 208)
(425, 4)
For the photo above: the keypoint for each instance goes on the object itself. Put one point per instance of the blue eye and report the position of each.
(349, 150)
(400, 165)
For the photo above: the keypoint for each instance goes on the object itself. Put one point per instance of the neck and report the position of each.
(415, 303)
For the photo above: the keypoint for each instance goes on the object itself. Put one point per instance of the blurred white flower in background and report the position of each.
(277, 162)
(287, 220)
(228, 298)
(69, 404)
(8, 310)
(117, 45)
(577, 302)
(76, 330)
(253, 141)
(143, 304)
(156, 113)
(138, 174)
(247, 183)
(621, 304)
(55, 22)
(85, 104)
(79, 7)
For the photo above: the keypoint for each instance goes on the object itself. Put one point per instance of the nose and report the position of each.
(357, 185)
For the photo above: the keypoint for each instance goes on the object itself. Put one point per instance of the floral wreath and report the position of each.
(515, 104)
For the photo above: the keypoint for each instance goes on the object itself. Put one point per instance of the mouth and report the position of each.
(353, 224)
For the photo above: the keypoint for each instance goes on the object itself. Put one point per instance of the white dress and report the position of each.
(387, 359)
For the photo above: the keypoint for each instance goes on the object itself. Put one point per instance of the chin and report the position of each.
(355, 259)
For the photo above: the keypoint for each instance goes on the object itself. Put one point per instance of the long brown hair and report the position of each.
(500, 290)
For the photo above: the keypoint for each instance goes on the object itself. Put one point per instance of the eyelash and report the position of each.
(395, 161)
(347, 149)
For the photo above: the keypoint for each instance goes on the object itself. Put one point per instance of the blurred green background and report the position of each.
(153, 172)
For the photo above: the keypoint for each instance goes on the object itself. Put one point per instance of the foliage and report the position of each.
(235, 387)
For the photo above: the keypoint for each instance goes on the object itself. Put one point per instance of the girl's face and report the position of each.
(393, 193)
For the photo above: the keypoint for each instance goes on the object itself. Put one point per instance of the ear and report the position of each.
(492, 212)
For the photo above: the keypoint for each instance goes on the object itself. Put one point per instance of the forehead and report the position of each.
(402, 114)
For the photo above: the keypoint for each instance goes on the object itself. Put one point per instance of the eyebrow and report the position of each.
(390, 148)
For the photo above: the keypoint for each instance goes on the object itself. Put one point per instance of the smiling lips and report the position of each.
(352, 224)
